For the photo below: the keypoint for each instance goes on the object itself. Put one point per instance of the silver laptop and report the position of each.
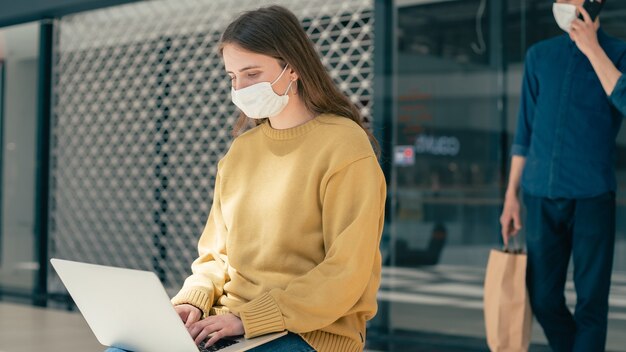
(130, 309)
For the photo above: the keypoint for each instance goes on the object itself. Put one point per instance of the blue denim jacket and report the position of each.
(567, 125)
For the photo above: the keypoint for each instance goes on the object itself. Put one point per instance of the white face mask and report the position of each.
(564, 14)
(259, 100)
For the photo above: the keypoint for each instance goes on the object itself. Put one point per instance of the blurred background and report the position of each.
(114, 114)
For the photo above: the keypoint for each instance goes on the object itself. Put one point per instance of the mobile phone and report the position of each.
(593, 8)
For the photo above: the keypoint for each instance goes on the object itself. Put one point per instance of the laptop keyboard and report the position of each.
(219, 345)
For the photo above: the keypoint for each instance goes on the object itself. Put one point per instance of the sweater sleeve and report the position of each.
(210, 269)
(353, 215)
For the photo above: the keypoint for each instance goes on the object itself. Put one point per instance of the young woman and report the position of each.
(292, 239)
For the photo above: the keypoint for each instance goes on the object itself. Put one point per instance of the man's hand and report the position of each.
(188, 313)
(218, 326)
(585, 33)
(510, 220)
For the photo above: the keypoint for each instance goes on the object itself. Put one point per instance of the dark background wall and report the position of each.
(15, 12)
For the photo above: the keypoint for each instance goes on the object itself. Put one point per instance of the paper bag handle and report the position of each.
(516, 249)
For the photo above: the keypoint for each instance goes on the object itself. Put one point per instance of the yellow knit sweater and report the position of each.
(292, 239)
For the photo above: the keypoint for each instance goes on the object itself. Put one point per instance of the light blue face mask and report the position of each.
(259, 100)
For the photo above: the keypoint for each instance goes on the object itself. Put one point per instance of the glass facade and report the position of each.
(446, 78)
(19, 46)
(457, 76)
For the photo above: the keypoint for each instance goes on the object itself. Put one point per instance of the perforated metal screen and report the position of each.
(142, 115)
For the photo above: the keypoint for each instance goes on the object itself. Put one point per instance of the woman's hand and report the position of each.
(218, 326)
(188, 313)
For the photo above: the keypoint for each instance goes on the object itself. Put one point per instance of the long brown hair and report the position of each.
(275, 31)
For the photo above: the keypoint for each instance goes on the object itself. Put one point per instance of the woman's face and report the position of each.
(246, 68)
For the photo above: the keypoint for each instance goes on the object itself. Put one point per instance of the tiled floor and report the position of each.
(28, 329)
(25, 328)
(429, 309)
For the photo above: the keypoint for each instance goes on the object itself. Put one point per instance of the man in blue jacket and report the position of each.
(572, 105)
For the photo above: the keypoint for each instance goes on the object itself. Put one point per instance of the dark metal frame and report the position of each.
(1, 149)
(383, 74)
(384, 131)
(44, 115)
(498, 60)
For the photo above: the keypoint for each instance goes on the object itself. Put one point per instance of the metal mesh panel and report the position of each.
(142, 115)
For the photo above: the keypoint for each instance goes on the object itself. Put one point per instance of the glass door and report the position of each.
(19, 47)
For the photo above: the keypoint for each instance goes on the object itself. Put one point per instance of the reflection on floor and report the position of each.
(411, 341)
(441, 305)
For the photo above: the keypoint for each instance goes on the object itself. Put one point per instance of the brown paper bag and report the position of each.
(508, 317)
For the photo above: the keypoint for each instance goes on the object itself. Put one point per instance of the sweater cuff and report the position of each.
(197, 297)
(261, 316)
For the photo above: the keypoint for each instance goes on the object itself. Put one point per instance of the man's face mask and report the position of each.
(564, 14)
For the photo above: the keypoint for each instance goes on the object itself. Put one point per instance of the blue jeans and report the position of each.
(585, 230)
(288, 343)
